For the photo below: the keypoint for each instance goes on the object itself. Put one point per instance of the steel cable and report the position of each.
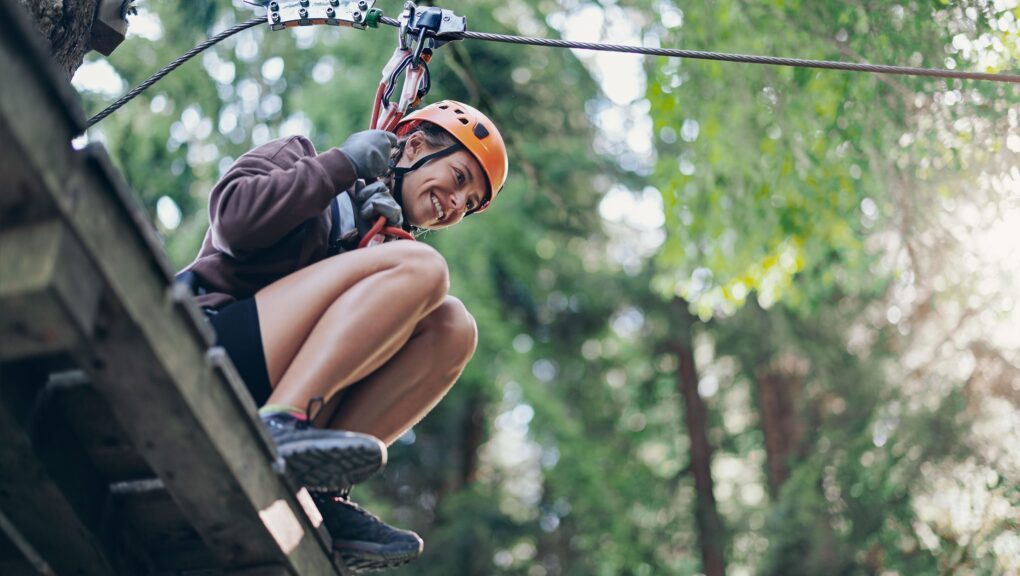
(173, 66)
(597, 46)
(745, 58)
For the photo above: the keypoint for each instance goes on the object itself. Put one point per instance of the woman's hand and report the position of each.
(370, 151)
(374, 200)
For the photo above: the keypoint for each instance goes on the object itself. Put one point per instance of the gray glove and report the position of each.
(374, 200)
(370, 152)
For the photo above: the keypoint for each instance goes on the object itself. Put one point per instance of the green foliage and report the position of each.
(562, 449)
(764, 169)
(786, 187)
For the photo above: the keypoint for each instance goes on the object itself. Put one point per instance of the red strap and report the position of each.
(379, 231)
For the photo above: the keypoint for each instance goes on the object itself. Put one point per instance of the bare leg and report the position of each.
(400, 393)
(332, 324)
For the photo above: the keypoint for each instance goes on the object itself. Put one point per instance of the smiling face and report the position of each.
(444, 190)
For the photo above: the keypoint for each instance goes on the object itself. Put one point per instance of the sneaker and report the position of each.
(364, 542)
(324, 460)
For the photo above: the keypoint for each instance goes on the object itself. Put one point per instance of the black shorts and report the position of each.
(237, 331)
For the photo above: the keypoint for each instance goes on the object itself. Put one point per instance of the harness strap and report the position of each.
(334, 230)
(399, 172)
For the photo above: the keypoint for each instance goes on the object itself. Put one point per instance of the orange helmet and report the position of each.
(474, 131)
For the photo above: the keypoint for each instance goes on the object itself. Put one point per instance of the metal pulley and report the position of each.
(439, 23)
(421, 32)
(290, 13)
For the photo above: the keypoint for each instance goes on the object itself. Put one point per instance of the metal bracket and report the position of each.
(290, 13)
(439, 23)
(404, 32)
(109, 27)
(434, 27)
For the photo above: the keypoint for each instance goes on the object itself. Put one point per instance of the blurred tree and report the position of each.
(811, 192)
(823, 420)
(710, 529)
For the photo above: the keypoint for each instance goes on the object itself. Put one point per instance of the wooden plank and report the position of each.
(188, 452)
(123, 206)
(19, 204)
(168, 537)
(197, 398)
(184, 302)
(142, 396)
(49, 291)
(31, 498)
(172, 543)
(147, 363)
(17, 556)
(17, 568)
(142, 501)
(85, 413)
(58, 448)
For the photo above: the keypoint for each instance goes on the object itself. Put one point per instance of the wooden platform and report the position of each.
(127, 444)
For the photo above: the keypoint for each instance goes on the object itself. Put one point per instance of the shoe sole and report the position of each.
(359, 559)
(330, 466)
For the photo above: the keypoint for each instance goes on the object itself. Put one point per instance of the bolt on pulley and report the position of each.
(290, 13)
(420, 32)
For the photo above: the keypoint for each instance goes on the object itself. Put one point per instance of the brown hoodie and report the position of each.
(268, 216)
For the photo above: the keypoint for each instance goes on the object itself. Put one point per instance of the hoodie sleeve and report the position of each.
(272, 190)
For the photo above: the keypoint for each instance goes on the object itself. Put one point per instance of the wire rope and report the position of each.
(597, 46)
(727, 57)
(173, 66)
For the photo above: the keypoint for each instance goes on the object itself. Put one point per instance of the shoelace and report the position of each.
(311, 413)
(345, 497)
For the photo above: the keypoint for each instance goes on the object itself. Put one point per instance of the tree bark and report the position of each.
(778, 394)
(473, 430)
(66, 26)
(710, 526)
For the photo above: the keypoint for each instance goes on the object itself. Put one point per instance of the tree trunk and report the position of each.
(473, 430)
(462, 468)
(710, 527)
(778, 393)
(66, 26)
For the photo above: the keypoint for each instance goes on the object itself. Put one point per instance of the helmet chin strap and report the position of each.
(399, 171)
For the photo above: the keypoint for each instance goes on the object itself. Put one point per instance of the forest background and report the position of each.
(733, 319)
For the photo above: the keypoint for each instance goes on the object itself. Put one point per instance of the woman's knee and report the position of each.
(455, 330)
(425, 269)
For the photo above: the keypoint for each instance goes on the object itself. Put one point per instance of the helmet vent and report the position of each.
(443, 107)
(480, 131)
(463, 120)
(458, 111)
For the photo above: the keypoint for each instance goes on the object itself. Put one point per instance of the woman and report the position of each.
(305, 320)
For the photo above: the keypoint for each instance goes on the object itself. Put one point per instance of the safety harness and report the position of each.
(420, 33)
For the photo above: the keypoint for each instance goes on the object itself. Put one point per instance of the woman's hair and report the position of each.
(435, 137)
